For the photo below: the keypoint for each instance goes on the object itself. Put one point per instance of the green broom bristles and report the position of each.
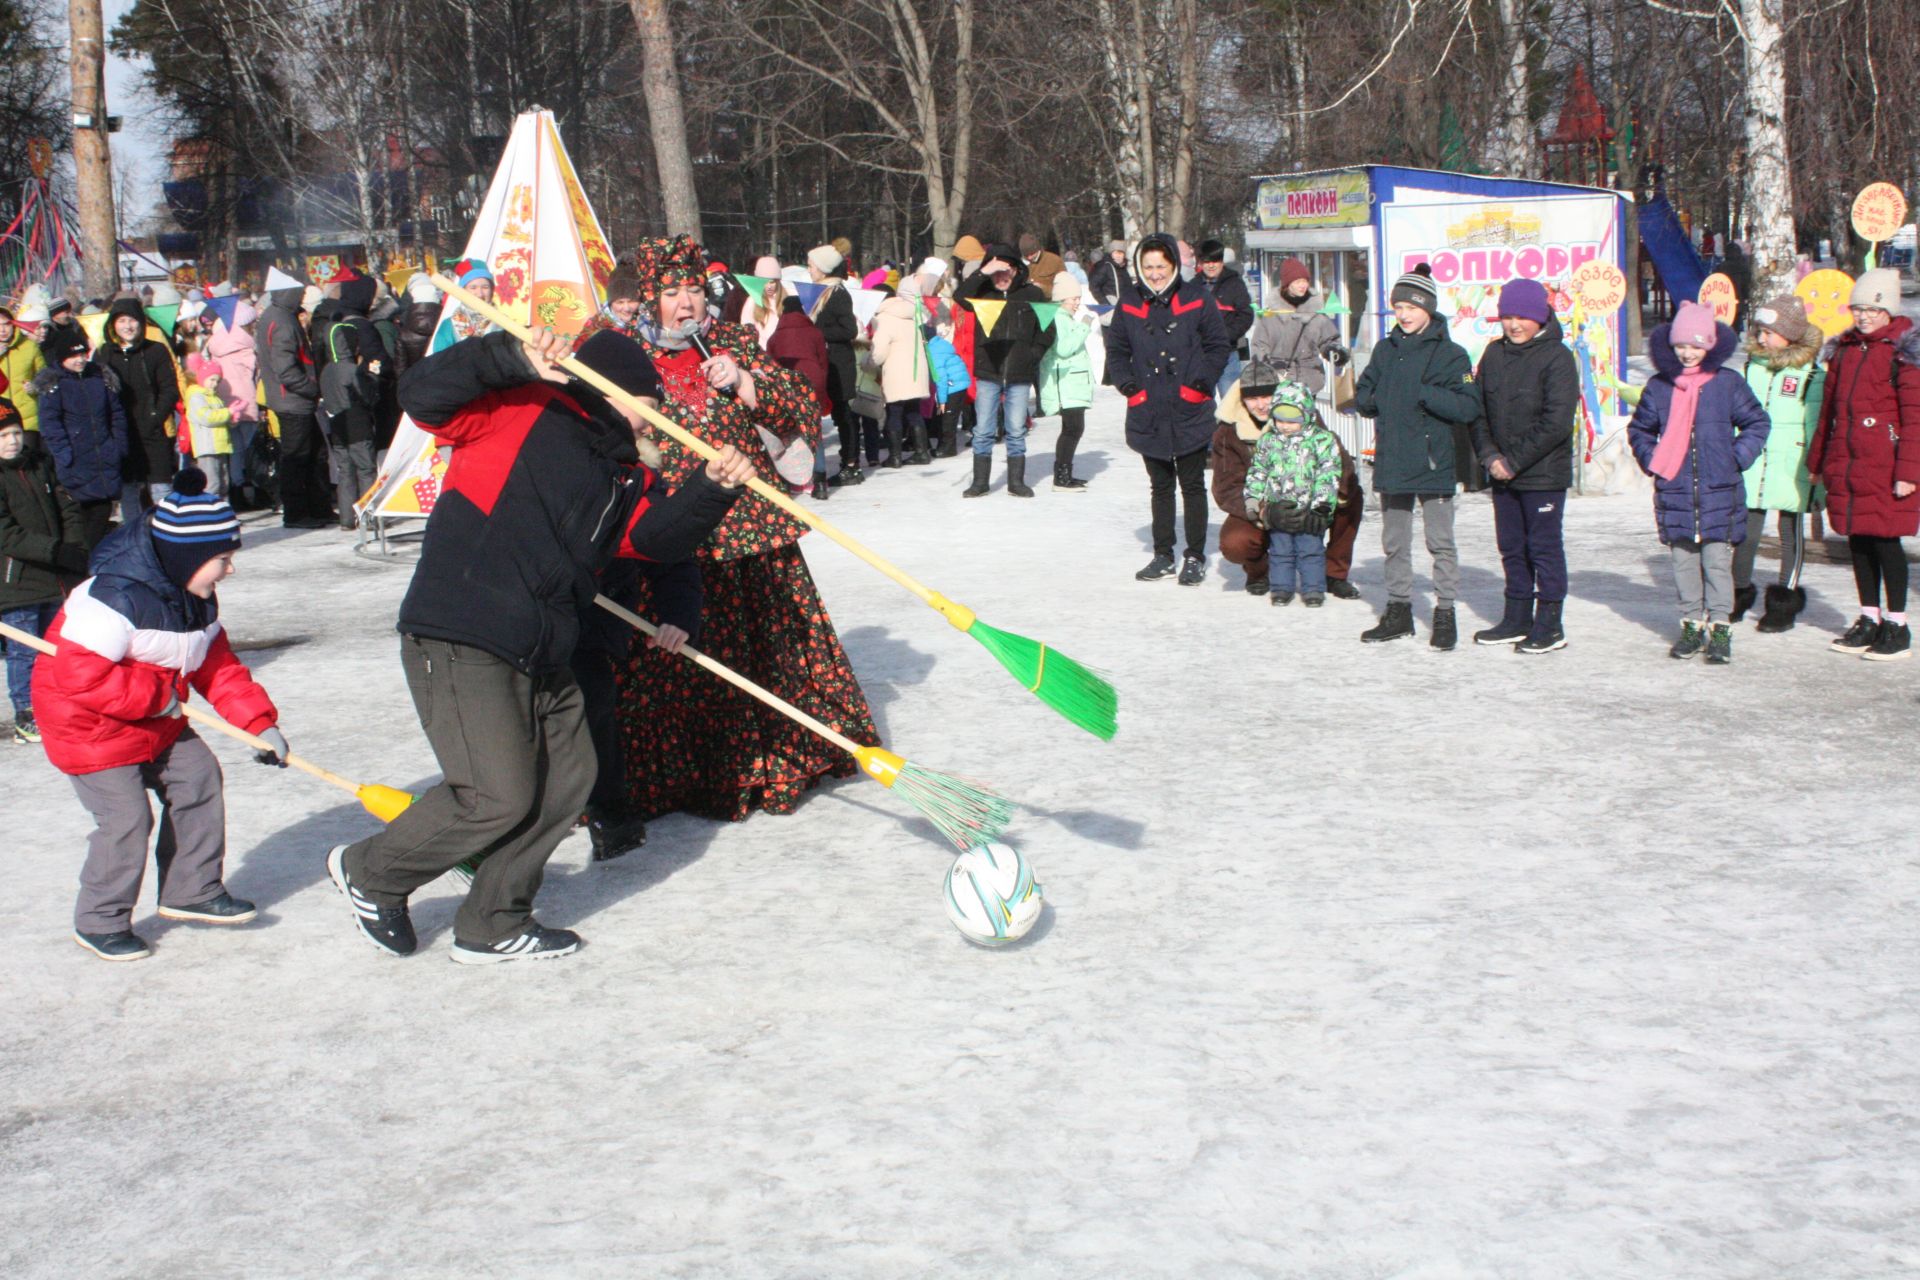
(964, 811)
(1076, 692)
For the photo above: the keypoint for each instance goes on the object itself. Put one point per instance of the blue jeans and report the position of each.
(34, 619)
(1301, 553)
(1229, 375)
(992, 402)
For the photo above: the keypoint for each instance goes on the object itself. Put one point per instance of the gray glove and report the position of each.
(278, 741)
(171, 710)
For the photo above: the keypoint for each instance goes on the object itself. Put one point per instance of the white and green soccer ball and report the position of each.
(992, 897)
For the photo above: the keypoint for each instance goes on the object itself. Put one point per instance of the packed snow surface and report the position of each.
(1359, 961)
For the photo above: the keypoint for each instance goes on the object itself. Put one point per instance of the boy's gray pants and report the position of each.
(1703, 579)
(193, 834)
(518, 766)
(1396, 542)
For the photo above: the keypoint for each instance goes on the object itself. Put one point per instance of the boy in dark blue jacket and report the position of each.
(83, 427)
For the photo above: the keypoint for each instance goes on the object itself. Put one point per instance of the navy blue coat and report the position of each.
(84, 426)
(1706, 499)
(1165, 354)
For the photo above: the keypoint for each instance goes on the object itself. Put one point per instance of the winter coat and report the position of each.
(1416, 387)
(354, 374)
(1298, 467)
(1705, 501)
(284, 357)
(83, 426)
(839, 327)
(1528, 396)
(1295, 339)
(1107, 279)
(1165, 352)
(1229, 294)
(900, 352)
(417, 323)
(1011, 353)
(231, 347)
(796, 344)
(208, 420)
(1789, 385)
(950, 376)
(127, 643)
(1869, 434)
(545, 488)
(20, 363)
(1066, 369)
(1041, 271)
(42, 545)
(149, 392)
(1232, 452)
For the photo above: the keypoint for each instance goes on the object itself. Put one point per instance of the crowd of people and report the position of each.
(124, 463)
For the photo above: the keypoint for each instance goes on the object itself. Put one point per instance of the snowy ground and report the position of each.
(1360, 962)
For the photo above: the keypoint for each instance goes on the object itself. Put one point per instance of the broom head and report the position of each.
(384, 803)
(964, 811)
(1075, 691)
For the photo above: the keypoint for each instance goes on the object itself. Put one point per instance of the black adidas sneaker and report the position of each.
(388, 928)
(535, 942)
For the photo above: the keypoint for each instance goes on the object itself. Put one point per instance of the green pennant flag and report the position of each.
(1334, 307)
(1044, 312)
(166, 317)
(756, 286)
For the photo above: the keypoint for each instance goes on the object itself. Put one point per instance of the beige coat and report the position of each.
(900, 352)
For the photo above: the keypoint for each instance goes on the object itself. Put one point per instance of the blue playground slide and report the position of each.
(1667, 243)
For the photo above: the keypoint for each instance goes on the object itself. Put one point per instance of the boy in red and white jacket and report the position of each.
(132, 643)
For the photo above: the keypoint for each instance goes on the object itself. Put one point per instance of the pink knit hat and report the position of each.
(1694, 326)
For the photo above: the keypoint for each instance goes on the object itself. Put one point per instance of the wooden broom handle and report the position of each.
(737, 680)
(959, 615)
(200, 717)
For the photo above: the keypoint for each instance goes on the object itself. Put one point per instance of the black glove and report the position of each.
(1339, 356)
(70, 558)
(278, 741)
(1283, 515)
(1317, 521)
(1128, 389)
(1204, 388)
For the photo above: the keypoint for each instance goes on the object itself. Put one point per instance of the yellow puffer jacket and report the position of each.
(20, 361)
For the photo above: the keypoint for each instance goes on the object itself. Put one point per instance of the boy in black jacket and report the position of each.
(42, 556)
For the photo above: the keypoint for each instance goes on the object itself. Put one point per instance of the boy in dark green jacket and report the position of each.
(1417, 385)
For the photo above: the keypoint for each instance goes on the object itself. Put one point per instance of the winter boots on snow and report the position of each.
(1341, 589)
(1395, 624)
(1063, 477)
(1513, 626)
(1783, 605)
(982, 472)
(1161, 566)
(1693, 638)
(1545, 635)
(920, 456)
(1193, 570)
(1445, 631)
(1017, 478)
(1743, 598)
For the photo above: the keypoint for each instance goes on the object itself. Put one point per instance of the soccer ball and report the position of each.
(991, 895)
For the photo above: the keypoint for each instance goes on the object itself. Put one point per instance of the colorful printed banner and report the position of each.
(1339, 199)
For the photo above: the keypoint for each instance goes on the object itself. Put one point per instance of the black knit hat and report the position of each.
(1418, 288)
(1210, 251)
(63, 340)
(1258, 378)
(621, 361)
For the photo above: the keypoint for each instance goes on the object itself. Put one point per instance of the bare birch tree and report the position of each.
(660, 77)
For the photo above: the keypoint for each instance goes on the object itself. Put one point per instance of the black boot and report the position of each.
(982, 472)
(1395, 624)
(821, 491)
(1446, 633)
(1546, 635)
(1743, 598)
(1341, 589)
(1783, 606)
(1017, 477)
(896, 455)
(950, 438)
(1514, 624)
(850, 473)
(920, 457)
(1063, 477)
(613, 833)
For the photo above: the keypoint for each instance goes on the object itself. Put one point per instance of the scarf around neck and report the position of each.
(1678, 437)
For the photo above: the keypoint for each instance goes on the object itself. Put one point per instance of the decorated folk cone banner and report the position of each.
(540, 241)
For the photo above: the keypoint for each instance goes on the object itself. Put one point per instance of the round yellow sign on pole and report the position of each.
(1716, 291)
(1878, 212)
(1600, 286)
(1825, 294)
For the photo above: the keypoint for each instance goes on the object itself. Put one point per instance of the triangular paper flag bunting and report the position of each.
(1044, 312)
(756, 286)
(809, 294)
(95, 327)
(988, 313)
(223, 308)
(278, 279)
(866, 304)
(165, 316)
(1334, 307)
(398, 277)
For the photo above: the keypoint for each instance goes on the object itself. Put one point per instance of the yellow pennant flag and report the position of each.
(988, 313)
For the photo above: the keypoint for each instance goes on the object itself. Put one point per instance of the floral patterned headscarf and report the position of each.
(665, 261)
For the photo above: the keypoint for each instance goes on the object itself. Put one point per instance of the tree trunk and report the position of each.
(1513, 153)
(92, 157)
(660, 81)
(1143, 92)
(1186, 34)
(1130, 164)
(1768, 203)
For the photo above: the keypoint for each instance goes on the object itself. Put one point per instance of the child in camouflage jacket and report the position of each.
(1292, 488)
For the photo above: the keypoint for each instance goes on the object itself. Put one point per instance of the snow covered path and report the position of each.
(1361, 961)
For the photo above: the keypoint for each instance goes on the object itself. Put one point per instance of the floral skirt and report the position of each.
(695, 744)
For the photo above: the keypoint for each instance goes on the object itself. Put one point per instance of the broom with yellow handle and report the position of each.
(964, 812)
(384, 803)
(1073, 690)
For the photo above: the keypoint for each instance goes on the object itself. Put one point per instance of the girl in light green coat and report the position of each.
(1783, 369)
(1066, 379)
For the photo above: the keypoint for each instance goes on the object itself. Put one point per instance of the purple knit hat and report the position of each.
(1694, 326)
(1525, 300)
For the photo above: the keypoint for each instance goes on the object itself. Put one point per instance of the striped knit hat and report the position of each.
(1418, 288)
(191, 526)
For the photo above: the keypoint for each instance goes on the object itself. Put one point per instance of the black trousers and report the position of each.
(1189, 471)
(593, 671)
(517, 765)
(303, 469)
(1073, 425)
(96, 518)
(1878, 561)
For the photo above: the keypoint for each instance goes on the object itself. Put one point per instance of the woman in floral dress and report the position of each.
(694, 743)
